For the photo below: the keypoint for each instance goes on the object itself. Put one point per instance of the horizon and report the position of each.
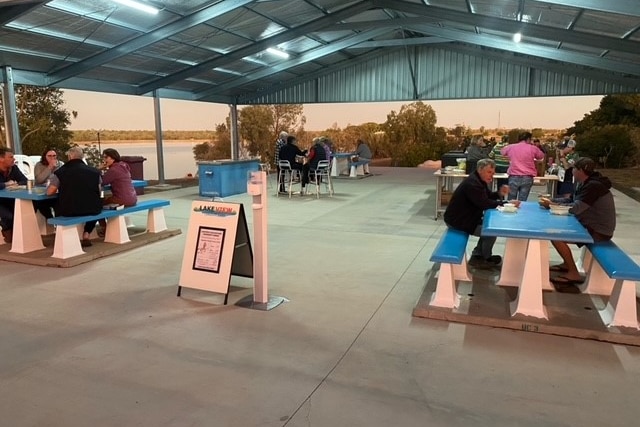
(102, 111)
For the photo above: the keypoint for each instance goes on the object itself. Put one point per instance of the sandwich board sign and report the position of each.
(217, 246)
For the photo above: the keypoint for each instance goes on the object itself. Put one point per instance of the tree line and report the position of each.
(610, 134)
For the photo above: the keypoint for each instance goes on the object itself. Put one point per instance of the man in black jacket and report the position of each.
(79, 188)
(466, 209)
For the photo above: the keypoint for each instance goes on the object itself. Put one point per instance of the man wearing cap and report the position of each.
(594, 207)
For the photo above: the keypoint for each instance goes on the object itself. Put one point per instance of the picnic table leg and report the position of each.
(529, 300)
(67, 243)
(445, 294)
(621, 309)
(116, 230)
(155, 221)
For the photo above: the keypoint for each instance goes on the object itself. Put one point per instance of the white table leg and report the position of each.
(515, 253)
(26, 234)
(334, 167)
(529, 300)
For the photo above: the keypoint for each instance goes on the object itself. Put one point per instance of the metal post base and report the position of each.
(248, 302)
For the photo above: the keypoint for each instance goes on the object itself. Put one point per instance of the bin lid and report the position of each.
(132, 159)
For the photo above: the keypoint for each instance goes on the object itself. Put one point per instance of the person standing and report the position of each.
(10, 175)
(522, 166)
(280, 142)
(502, 162)
(465, 211)
(78, 187)
(476, 151)
(567, 156)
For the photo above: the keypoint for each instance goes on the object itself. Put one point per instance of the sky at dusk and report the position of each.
(101, 111)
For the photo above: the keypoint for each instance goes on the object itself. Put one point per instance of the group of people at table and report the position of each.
(591, 203)
(305, 161)
(77, 185)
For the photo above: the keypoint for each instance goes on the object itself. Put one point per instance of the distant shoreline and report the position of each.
(141, 141)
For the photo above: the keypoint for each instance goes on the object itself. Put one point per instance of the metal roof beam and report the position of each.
(622, 7)
(309, 56)
(533, 50)
(553, 66)
(401, 42)
(137, 43)
(245, 99)
(259, 46)
(511, 26)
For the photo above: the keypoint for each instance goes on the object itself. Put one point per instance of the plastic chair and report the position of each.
(26, 165)
(266, 167)
(286, 175)
(321, 174)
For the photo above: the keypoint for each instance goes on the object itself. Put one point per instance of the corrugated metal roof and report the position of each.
(340, 51)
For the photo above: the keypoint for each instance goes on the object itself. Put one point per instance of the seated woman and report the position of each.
(43, 170)
(118, 175)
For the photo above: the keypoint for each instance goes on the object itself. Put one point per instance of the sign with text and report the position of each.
(217, 246)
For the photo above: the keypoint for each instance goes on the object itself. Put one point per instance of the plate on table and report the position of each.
(16, 187)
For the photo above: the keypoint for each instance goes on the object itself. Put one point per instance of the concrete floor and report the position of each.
(108, 343)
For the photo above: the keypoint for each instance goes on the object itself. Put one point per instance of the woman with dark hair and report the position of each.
(118, 175)
(46, 166)
(42, 172)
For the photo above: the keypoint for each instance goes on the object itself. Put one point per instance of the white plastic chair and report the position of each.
(321, 174)
(286, 174)
(26, 165)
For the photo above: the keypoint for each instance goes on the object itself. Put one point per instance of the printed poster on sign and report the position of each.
(217, 246)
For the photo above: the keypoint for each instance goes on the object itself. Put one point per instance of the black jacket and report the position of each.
(79, 190)
(468, 203)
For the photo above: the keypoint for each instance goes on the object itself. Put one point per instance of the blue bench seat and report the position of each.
(358, 168)
(451, 247)
(450, 252)
(612, 271)
(69, 228)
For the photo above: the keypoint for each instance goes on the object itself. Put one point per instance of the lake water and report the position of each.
(178, 157)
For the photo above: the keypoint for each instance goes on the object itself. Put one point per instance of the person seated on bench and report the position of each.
(118, 175)
(10, 175)
(78, 187)
(364, 154)
(466, 209)
(594, 207)
(43, 170)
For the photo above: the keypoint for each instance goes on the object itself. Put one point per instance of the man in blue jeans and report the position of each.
(466, 210)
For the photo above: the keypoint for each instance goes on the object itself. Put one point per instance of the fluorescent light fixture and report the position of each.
(140, 6)
(517, 37)
(278, 52)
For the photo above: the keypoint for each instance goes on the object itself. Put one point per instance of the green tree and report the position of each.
(255, 126)
(412, 135)
(611, 145)
(219, 148)
(609, 133)
(42, 119)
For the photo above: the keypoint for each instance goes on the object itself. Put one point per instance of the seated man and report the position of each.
(466, 210)
(364, 153)
(9, 175)
(78, 187)
(316, 153)
(594, 207)
(290, 151)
